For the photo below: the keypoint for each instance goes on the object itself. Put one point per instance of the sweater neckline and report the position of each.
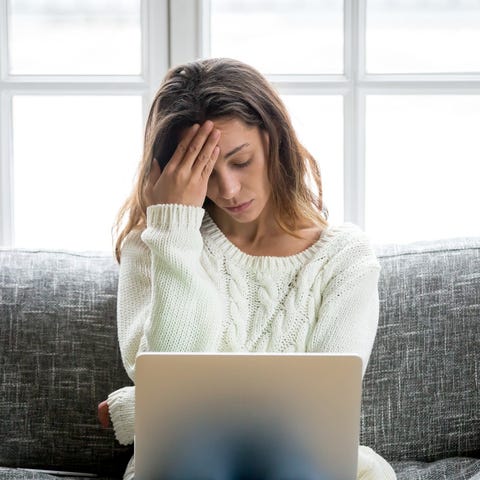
(217, 239)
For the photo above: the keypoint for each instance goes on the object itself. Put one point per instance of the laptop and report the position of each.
(196, 407)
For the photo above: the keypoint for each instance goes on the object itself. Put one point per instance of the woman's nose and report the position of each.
(228, 187)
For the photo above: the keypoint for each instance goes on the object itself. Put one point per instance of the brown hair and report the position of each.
(216, 88)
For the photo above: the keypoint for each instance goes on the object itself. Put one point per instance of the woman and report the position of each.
(224, 244)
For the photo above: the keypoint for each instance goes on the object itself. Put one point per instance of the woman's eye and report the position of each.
(242, 165)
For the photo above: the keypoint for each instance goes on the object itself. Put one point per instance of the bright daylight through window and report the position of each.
(384, 93)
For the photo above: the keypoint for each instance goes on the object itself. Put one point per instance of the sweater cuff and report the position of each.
(174, 216)
(371, 466)
(121, 406)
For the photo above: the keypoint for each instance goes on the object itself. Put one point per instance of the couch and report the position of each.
(59, 358)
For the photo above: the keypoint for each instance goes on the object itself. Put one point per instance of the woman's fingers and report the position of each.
(207, 170)
(103, 414)
(155, 172)
(205, 155)
(198, 147)
(186, 147)
(153, 177)
(184, 180)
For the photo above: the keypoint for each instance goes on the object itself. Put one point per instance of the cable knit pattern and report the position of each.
(183, 286)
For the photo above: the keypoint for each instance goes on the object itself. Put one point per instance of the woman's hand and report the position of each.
(104, 414)
(184, 180)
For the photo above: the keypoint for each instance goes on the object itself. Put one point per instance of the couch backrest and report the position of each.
(59, 358)
(421, 397)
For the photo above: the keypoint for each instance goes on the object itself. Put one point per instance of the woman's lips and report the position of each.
(240, 208)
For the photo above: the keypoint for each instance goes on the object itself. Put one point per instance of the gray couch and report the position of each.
(59, 358)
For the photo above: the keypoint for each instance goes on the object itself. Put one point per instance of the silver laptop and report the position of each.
(196, 407)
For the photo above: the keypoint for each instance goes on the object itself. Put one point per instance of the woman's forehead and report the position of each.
(234, 131)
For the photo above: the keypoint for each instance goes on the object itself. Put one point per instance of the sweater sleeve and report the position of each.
(166, 302)
(372, 466)
(121, 406)
(349, 309)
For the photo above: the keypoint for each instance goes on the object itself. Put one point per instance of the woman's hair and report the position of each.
(225, 88)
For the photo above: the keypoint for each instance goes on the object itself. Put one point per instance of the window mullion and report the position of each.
(354, 113)
(155, 47)
(398, 85)
(155, 62)
(60, 83)
(6, 168)
(186, 30)
(3, 39)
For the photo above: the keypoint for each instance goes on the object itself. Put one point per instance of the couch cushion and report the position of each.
(451, 468)
(59, 358)
(22, 474)
(421, 393)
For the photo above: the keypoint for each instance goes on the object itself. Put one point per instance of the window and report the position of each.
(76, 82)
(384, 93)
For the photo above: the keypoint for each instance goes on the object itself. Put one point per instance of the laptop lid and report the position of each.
(311, 401)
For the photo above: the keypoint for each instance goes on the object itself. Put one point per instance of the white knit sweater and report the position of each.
(183, 286)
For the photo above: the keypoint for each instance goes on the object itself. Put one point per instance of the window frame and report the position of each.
(177, 31)
(155, 61)
(355, 85)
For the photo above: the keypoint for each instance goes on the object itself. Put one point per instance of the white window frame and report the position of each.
(177, 31)
(155, 61)
(355, 85)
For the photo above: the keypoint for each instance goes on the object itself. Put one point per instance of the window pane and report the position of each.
(318, 121)
(423, 36)
(285, 36)
(74, 162)
(75, 37)
(422, 167)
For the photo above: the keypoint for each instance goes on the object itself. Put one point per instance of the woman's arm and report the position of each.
(348, 316)
(120, 408)
(166, 301)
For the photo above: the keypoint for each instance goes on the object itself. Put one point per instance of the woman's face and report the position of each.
(239, 184)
